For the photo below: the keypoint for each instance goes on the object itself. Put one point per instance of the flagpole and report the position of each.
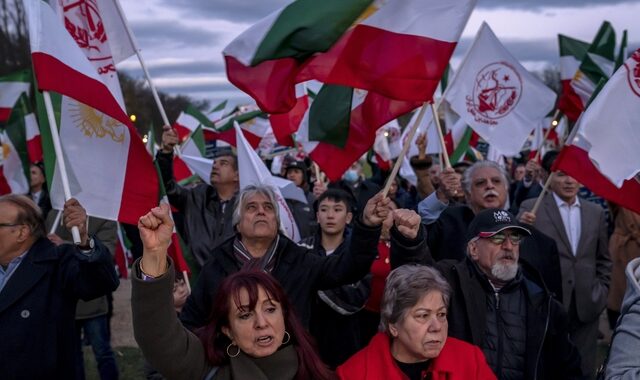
(56, 222)
(405, 148)
(75, 231)
(445, 155)
(546, 135)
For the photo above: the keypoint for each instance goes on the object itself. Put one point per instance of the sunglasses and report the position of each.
(499, 238)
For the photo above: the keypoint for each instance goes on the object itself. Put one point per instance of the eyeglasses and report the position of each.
(499, 238)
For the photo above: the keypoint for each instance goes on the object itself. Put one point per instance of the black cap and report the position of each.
(491, 221)
(296, 165)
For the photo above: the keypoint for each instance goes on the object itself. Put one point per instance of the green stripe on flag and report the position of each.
(308, 26)
(622, 52)
(601, 54)
(572, 47)
(45, 132)
(198, 138)
(17, 132)
(462, 147)
(330, 115)
(18, 76)
(219, 107)
(196, 114)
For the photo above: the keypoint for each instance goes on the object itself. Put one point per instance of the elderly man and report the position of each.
(258, 243)
(495, 305)
(40, 285)
(579, 228)
(485, 185)
(206, 208)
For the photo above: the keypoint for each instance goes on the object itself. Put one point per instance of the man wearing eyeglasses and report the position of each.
(40, 285)
(512, 317)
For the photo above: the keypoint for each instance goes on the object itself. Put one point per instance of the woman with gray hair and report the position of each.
(413, 343)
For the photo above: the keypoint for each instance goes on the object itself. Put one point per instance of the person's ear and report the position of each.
(349, 217)
(227, 331)
(393, 330)
(472, 248)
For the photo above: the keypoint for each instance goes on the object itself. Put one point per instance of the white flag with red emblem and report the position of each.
(496, 95)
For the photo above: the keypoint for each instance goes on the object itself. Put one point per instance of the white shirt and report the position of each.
(36, 196)
(571, 219)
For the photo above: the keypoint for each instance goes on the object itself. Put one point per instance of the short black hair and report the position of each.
(337, 196)
(548, 159)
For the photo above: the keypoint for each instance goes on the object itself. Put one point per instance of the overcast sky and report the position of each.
(182, 40)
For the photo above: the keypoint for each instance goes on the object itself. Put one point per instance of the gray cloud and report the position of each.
(170, 33)
(523, 50)
(233, 10)
(178, 68)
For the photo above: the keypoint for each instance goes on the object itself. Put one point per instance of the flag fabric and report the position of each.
(123, 257)
(14, 172)
(287, 124)
(460, 141)
(11, 87)
(572, 52)
(341, 124)
(193, 158)
(399, 48)
(263, 61)
(109, 170)
(598, 63)
(496, 95)
(427, 126)
(218, 112)
(253, 171)
(622, 52)
(602, 153)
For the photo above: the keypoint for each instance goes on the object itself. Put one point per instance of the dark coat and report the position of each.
(447, 239)
(299, 272)
(549, 354)
(205, 223)
(38, 304)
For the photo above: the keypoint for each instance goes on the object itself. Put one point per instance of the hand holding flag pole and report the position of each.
(75, 232)
(405, 148)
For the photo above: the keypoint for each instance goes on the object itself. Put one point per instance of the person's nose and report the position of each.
(435, 325)
(261, 321)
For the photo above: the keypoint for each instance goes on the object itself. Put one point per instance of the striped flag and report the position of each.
(572, 53)
(11, 87)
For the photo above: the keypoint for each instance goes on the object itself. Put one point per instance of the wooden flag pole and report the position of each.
(445, 155)
(56, 222)
(53, 126)
(405, 148)
(546, 135)
(542, 194)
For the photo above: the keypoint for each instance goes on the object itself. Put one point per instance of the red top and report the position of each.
(379, 270)
(458, 360)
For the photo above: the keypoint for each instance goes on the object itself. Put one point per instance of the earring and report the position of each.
(287, 338)
(237, 352)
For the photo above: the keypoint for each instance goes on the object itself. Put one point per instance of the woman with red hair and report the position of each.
(252, 333)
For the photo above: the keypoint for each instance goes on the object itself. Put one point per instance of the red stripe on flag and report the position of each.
(4, 185)
(141, 187)
(4, 113)
(34, 148)
(182, 131)
(575, 162)
(180, 169)
(569, 102)
(286, 124)
(54, 75)
(399, 66)
(175, 252)
(271, 83)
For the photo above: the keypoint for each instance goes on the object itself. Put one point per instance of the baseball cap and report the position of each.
(296, 165)
(491, 221)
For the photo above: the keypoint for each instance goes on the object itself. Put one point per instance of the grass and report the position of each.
(129, 363)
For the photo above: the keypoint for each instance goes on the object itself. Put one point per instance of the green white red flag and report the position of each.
(598, 63)
(572, 53)
(14, 172)
(495, 95)
(397, 48)
(110, 172)
(602, 152)
(11, 87)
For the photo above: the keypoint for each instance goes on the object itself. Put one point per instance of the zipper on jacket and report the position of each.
(500, 335)
(544, 336)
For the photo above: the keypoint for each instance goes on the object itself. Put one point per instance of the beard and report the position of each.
(504, 272)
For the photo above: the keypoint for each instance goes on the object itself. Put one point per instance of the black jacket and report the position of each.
(447, 239)
(299, 272)
(206, 224)
(38, 338)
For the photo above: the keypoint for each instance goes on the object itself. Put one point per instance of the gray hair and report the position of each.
(405, 286)
(247, 193)
(468, 174)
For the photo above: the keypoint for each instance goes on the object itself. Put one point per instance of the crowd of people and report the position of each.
(459, 275)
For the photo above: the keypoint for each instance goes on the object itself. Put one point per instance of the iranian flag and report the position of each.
(122, 256)
(341, 124)
(572, 53)
(253, 171)
(193, 157)
(598, 63)
(602, 152)
(287, 124)
(11, 87)
(14, 172)
(397, 48)
(495, 95)
(109, 170)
